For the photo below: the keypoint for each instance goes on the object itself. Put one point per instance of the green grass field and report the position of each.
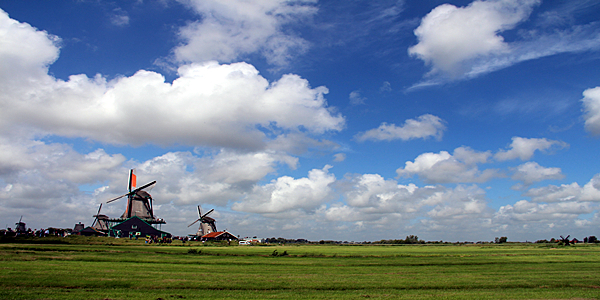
(105, 268)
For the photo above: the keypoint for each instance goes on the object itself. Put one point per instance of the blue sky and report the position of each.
(344, 120)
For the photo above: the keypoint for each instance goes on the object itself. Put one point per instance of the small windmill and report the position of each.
(565, 240)
(100, 221)
(20, 227)
(207, 224)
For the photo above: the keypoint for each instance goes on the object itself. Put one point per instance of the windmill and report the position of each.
(207, 224)
(139, 202)
(565, 240)
(100, 221)
(20, 227)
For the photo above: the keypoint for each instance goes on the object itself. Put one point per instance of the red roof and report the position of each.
(219, 234)
(213, 234)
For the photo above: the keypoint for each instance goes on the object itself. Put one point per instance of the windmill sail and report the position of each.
(132, 180)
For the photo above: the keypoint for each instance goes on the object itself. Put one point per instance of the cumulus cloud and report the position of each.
(49, 180)
(524, 148)
(460, 204)
(374, 202)
(456, 49)
(286, 194)
(525, 211)
(215, 105)
(228, 30)
(567, 192)
(532, 172)
(591, 108)
(424, 126)
(25, 53)
(461, 167)
(381, 203)
(450, 36)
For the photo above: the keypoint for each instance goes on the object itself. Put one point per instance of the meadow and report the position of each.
(105, 268)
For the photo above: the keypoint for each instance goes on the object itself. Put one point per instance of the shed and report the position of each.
(90, 231)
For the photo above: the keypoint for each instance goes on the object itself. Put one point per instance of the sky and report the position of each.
(322, 120)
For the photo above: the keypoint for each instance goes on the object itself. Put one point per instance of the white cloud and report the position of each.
(286, 194)
(524, 148)
(119, 17)
(457, 49)
(463, 202)
(450, 37)
(526, 212)
(445, 168)
(228, 30)
(567, 192)
(214, 179)
(373, 191)
(531, 172)
(339, 157)
(591, 108)
(356, 98)
(25, 54)
(55, 162)
(424, 126)
(380, 203)
(214, 105)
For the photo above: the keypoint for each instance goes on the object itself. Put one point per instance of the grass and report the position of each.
(102, 268)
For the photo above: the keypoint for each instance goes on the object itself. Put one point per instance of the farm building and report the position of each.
(136, 227)
(219, 236)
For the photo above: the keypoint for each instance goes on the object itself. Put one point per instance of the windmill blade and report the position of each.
(97, 214)
(206, 214)
(143, 187)
(194, 223)
(132, 192)
(117, 198)
(99, 208)
(199, 212)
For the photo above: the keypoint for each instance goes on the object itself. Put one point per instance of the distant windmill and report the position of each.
(20, 227)
(100, 221)
(207, 224)
(565, 240)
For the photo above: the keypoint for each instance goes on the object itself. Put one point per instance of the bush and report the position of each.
(276, 253)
